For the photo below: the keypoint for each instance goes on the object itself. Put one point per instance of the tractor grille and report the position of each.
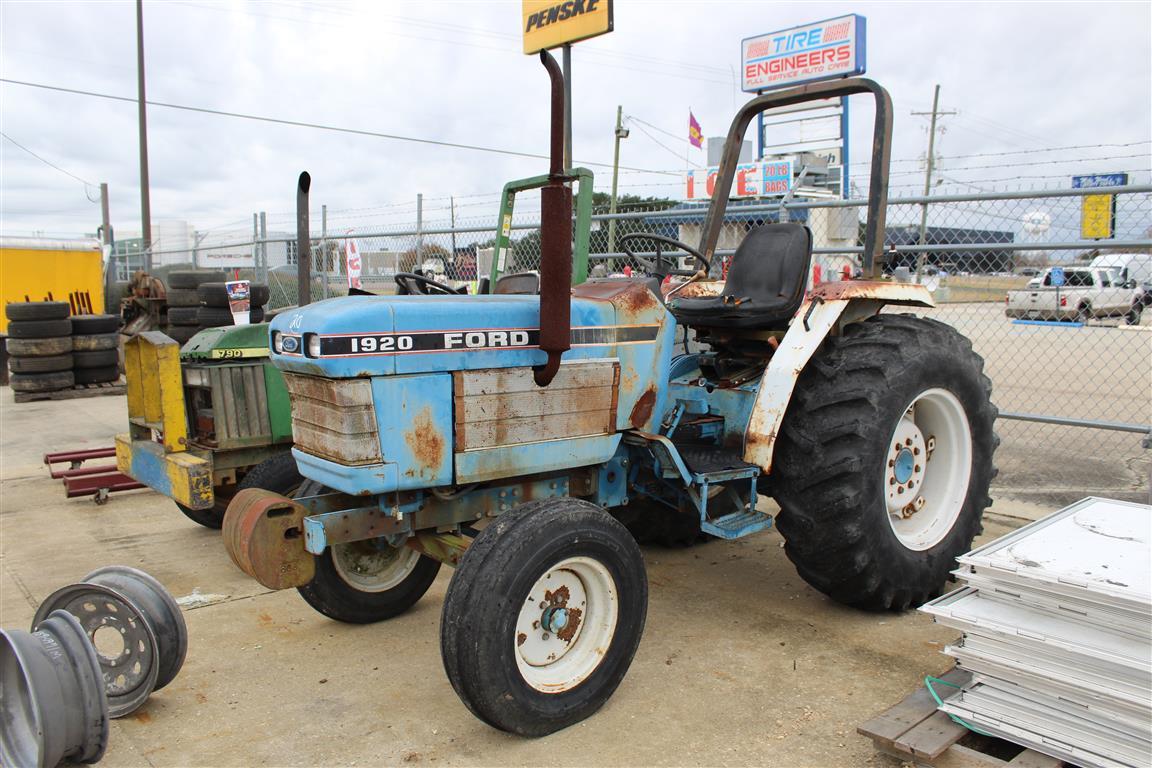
(227, 405)
(334, 419)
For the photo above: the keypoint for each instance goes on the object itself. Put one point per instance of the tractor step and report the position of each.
(736, 524)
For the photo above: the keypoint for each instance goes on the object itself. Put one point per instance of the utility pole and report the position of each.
(145, 203)
(621, 133)
(928, 177)
(419, 232)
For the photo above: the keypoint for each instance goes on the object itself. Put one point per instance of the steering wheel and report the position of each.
(655, 266)
(424, 285)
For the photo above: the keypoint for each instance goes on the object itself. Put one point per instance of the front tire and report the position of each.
(884, 461)
(543, 616)
(363, 582)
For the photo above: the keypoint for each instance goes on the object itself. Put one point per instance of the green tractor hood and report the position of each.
(229, 342)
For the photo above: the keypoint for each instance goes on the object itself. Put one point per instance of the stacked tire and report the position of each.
(40, 346)
(215, 311)
(184, 302)
(95, 349)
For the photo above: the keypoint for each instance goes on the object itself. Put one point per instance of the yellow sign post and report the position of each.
(1096, 216)
(549, 24)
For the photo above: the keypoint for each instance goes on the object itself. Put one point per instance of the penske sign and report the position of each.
(551, 23)
(822, 51)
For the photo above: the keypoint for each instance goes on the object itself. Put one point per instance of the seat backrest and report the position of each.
(771, 265)
(520, 283)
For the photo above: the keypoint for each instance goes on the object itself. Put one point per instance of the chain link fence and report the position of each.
(1071, 368)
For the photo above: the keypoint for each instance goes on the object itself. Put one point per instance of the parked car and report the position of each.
(1132, 268)
(1085, 293)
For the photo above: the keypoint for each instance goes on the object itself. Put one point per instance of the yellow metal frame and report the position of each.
(156, 390)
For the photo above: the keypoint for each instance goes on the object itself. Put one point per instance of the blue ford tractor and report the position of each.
(509, 436)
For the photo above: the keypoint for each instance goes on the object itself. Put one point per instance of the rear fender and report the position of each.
(829, 306)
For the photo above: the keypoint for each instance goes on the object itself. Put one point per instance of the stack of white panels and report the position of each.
(1057, 621)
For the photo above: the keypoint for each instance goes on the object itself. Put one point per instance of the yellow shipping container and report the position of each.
(42, 269)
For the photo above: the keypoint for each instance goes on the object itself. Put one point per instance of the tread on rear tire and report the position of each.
(833, 454)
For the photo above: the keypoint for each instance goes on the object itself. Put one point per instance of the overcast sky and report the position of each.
(1022, 76)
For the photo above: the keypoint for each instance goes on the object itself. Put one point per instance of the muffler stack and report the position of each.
(97, 651)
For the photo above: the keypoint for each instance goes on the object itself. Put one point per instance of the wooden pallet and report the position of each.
(80, 390)
(915, 731)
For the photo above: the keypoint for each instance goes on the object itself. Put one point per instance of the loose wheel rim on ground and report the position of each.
(373, 566)
(927, 469)
(566, 624)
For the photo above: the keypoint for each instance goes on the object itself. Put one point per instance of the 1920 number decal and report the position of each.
(381, 343)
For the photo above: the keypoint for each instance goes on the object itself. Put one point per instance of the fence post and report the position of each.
(420, 230)
(262, 268)
(324, 251)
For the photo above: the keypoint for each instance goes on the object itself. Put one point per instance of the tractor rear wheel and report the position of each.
(362, 582)
(884, 460)
(543, 616)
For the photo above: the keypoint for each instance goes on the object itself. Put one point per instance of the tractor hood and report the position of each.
(229, 342)
(384, 335)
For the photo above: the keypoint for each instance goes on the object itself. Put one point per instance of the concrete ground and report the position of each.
(741, 662)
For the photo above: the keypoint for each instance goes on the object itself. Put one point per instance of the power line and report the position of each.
(316, 126)
(51, 164)
(660, 144)
(1126, 145)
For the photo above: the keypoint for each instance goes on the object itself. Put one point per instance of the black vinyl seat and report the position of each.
(765, 286)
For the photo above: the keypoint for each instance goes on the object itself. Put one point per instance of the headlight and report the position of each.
(312, 342)
(196, 377)
(277, 343)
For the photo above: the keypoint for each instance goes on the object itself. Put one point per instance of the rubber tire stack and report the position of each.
(184, 302)
(95, 349)
(40, 346)
(214, 310)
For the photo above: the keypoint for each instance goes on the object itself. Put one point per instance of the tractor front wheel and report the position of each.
(884, 461)
(362, 582)
(543, 616)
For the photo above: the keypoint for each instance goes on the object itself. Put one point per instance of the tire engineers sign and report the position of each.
(551, 23)
(824, 50)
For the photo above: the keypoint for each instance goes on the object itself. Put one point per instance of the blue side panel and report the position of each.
(356, 481)
(490, 463)
(733, 403)
(414, 416)
(643, 366)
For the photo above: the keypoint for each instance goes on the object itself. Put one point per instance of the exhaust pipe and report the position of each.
(555, 241)
(303, 242)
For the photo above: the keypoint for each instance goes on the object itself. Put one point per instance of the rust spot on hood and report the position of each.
(642, 411)
(425, 441)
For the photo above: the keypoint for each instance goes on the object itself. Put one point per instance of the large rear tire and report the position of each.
(362, 582)
(543, 616)
(884, 460)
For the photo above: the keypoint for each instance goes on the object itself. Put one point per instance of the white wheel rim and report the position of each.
(566, 624)
(928, 463)
(371, 566)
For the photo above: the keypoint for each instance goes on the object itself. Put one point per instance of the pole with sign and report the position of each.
(548, 24)
(1098, 212)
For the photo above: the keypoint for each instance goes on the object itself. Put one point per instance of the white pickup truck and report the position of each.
(1086, 293)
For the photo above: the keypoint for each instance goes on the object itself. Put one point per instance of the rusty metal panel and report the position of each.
(499, 407)
(334, 418)
(263, 534)
(415, 418)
